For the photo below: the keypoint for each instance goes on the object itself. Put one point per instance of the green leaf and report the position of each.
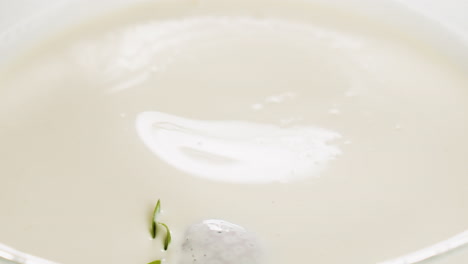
(155, 262)
(168, 238)
(154, 224)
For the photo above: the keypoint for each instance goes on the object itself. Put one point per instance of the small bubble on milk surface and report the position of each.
(219, 242)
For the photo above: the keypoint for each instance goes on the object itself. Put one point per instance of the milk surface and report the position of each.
(330, 137)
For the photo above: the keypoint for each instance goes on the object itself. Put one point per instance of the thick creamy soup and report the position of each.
(280, 133)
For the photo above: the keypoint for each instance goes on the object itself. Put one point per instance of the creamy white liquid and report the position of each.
(330, 138)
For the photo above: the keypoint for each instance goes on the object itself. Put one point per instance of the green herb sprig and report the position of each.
(154, 223)
(168, 238)
(154, 229)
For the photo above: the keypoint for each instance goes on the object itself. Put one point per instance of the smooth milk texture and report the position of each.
(332, 138)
